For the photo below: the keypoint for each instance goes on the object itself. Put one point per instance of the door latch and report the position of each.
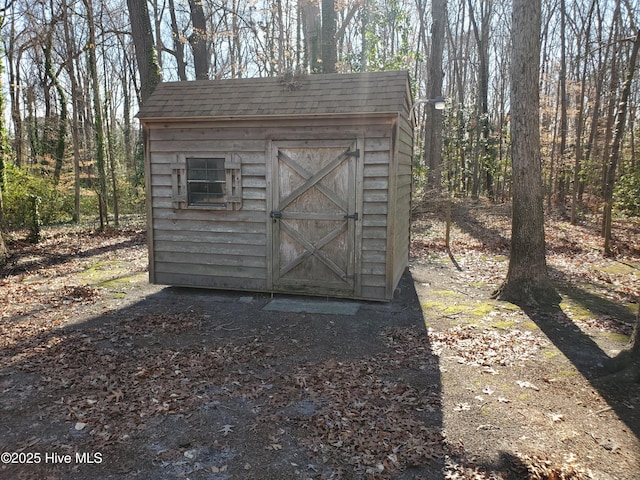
(275, 214)
(353, 215)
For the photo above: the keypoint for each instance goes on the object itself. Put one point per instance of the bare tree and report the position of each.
(433, 123)
(527, 281)
(614, 156)
(198, 40)
(329, 51)
(144, 47)
(98, 118)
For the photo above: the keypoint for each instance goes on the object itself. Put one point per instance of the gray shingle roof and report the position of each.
(370, 92)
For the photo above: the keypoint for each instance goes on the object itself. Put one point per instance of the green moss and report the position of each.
(551, 353)
(494, 258)
(568, 373)
(510, 307)
(617, 337)
(453, 309)
(617, 268)
(575, 311)
(503, 325)
(110, 274)
(432, 305)
(482, 309)
(529, 325)
(447, 293)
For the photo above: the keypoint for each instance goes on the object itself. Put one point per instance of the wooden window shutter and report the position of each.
(233, 168)
(179, 183)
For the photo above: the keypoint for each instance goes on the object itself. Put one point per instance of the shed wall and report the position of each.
(228, 249)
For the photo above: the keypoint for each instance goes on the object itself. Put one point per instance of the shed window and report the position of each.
(211, 182)
(206, 181)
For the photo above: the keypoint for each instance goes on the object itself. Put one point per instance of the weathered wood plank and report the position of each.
(210, 281)
(205, 246)
(259, 240)
(210, 270)
(210, 259)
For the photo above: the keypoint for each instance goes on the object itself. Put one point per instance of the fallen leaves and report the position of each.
(486, 347)
(523, 384)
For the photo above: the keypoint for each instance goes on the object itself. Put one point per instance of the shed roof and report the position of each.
(358, 93)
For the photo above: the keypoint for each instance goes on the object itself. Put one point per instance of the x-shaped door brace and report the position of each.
(314, 249)
(313, 180)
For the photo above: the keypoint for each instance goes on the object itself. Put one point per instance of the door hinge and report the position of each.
(353, 153)
(275, 214)
(353, 215)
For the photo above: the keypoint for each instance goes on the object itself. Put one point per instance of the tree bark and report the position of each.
(98, 120)
(616, 144)
(144, 47)
(482, 159)
(198, 40)
(527, 281)
(178, 45)
(76, 107)
(310, 13)
(433, 123)
(4, 253)
(329, 51)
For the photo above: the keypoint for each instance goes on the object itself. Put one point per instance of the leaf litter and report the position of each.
(355, 418)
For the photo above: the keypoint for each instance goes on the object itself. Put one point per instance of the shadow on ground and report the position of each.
(209, 385)
(585, 353)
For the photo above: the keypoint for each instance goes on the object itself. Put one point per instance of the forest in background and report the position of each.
(71, 149)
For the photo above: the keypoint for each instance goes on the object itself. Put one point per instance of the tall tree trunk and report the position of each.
(14, 93)
(329, 50)
(178, 45)
(198, 40)
(527, 281)
(4, 253)
(144, 47)
(75, 116)
(614, 156)
(562, 171)
(98, 117)
(61, 141)
(577, 167)
(310, 12)
(481, 154)
(433, 123)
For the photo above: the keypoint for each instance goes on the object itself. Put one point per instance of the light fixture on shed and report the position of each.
(439, 103)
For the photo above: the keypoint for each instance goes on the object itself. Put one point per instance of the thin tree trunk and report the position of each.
(4, 253)
(178, 45)
(580, 120)
(616, 144)
(61, 141)
(97, 112)
(75, 118)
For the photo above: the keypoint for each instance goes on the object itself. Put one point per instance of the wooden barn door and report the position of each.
(314, 216)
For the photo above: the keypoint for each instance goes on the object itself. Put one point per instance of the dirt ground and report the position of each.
(104, 376)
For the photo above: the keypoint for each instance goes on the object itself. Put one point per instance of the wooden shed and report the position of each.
(296, 185)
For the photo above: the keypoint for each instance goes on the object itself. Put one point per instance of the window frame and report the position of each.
(232, 199)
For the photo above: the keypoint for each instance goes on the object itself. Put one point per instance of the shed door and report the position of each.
(314, 216)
